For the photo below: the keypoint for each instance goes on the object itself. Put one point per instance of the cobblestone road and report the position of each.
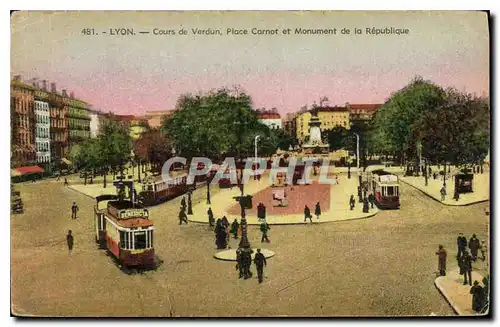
(377, 266)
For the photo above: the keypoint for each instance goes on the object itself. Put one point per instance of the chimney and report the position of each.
(53, 88)
(17, 78)
(44, 85)
(64, 94)
(72, 95)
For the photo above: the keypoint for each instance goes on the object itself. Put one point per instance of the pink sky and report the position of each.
(134, 74)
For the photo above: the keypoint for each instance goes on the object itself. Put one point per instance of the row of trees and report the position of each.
(109, 152)
(217, 124)
(450, 126)
(221, 123)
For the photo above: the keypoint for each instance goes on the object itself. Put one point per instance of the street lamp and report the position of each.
(255, 142)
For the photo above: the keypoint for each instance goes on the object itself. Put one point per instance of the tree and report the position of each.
(91, 154)
(217, 123)
(153, 146)
(397, 120)
(115, 144)
(457, 131)
(337, 137)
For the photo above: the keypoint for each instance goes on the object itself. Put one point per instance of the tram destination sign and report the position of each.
(133, 213)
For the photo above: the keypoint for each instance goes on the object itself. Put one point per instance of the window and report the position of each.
(140, 240)
(391, 191)
(124, 244)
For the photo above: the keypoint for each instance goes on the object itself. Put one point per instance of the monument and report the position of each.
(315, 143)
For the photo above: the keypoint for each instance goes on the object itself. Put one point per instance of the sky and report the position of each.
(133, 74)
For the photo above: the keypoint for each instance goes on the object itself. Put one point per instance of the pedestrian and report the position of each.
(366, 207)
(74, 210)
(456, 194)
(264, 227)
(443, 193)
(441, 260)
(474, 246)
(484, 250)
(190, 203)
(307, 214)
(317, 211)
(234, 229)
(247, 262)
(466, 268)
(360, 195)
(183, 202)
(461, 244)
(182, 216)
(477, 296)
(352, 201)
(260, 262)
(239, 262)
(58, 177)
(211, 218)
(371, 198)
(70, 240)
(65, 181)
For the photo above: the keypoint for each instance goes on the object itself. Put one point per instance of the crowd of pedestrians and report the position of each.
(467, 254)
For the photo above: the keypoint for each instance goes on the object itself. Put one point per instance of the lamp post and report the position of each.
(256, 140)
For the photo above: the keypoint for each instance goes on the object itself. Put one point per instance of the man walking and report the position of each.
(182, 216)
(443, 193)
(474, 245)
(239, 262)
(352, 202)
(317, 211)
(264, 227)
(183, 203)
(234, 229)
(247, 262)
(466, 268)
(441, 253)
(74, 210)
(307, 213)
(211, 219)
(260, 262)
(461, 244)
(65, 181)
(371, 198)
(69, 240)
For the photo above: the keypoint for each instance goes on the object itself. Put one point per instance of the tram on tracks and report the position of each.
(156, 190)
(123, 228)
(385, 187)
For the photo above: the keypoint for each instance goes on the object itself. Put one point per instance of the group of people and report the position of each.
(182, 213)
(307, 212)
(466, 254)
(244, 263)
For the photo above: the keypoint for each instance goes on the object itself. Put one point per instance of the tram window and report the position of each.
(140, 240)
(391, 191)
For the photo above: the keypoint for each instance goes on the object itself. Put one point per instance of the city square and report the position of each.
(319, 197)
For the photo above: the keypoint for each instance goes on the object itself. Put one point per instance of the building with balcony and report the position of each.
(22, 103)
(42, 127)
(59, 145)
(78, 118)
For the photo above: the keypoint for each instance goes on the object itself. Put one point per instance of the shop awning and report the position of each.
(66, 161)
(29, 170)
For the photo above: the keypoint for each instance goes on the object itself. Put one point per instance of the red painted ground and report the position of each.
(298, 197)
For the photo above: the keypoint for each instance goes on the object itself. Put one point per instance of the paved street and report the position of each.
(383, 265)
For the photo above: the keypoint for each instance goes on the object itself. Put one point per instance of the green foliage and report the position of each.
(457, 131)
(115, 144)
(153, 146)
(396, 121)
(337, 137)
(218, 123)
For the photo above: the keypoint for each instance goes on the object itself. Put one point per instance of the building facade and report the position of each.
(137, 127)
(59, 143)
(42, 127)
(155, 118)
(22, 102)
(78, 119)
(330, 117)
(362, 112)
(270, 118)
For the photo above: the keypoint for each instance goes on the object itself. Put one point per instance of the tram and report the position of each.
(385, 187)
(124, 229)
(155, 190)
